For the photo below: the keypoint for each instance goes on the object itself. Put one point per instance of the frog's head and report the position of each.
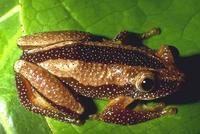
(156, 83)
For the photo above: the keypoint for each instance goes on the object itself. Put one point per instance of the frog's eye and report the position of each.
(145, 82)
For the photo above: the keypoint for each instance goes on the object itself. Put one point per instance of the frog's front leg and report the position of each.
(43, 93)
(127, 38)
(116, 112)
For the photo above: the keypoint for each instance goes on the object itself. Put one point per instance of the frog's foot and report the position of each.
(141, 107)
(157, 107)
(42, 93)
(116, 112)
(152, 32)
(169, 111)
(127, 38)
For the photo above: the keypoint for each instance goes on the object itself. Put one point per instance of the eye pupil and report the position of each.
(147, 84)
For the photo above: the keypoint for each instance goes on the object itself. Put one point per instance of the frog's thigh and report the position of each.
(42, 93)
(126, 37)
(41, 40)
(116, 112)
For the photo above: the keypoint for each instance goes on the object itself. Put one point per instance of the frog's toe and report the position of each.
(159, 106)
(94, 116)
(169, 111)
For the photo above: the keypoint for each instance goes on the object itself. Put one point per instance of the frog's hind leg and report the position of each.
(58, 38)
(130, 38)
(116, 112)
(42, 93)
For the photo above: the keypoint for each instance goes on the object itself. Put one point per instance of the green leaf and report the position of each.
(179, 21)
(14, 119)
(5, 6)
(2, 131)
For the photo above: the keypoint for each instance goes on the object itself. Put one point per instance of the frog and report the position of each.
(58, 67)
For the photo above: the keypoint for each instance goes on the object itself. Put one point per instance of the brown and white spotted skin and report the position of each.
(58, 67)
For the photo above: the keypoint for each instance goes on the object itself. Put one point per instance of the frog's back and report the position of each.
(96, 69)
(99, 52)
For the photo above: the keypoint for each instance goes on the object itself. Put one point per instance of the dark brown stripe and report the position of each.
(97, 54)
(170, 85)
(101, 92)
(164, 88)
